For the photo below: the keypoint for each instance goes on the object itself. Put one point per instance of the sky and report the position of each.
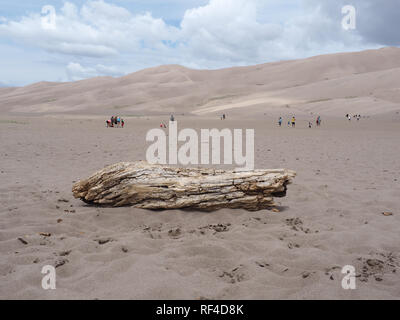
(80, 39)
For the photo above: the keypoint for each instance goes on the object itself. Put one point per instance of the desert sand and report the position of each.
(348, 173)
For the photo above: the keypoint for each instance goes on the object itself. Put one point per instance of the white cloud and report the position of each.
(219, 34)
(97, 29)
(76, 72)
(226, 30)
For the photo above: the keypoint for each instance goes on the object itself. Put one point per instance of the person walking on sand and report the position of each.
(122, 123)
(293, 122)
(280, 121)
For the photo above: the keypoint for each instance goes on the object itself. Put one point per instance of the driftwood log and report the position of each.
(142, 185)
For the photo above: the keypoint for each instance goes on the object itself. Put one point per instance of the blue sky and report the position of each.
(115, 37)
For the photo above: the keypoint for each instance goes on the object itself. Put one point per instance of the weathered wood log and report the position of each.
(142, 185)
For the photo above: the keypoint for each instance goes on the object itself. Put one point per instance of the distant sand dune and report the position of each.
(176, 89)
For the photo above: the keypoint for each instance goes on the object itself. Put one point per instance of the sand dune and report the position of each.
(166, 89)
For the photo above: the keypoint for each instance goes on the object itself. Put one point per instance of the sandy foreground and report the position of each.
(348, 174)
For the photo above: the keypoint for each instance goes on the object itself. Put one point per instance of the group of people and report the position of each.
(292, 122)
(317, 122)
(356, 116)
(115, 122)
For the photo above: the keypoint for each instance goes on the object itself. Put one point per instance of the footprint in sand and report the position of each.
(154, 230)
(60, 263)
(333, 272)
(237, 274)
(124, 250)
(215, 228)
(103, 241)
(262, 264)
(307, 274)
(297, 225)
(377, 265)
(64, 253)
(175, 233)
(292, 245)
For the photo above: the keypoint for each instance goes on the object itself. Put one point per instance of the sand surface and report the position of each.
(52, 135)
(348, 174)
